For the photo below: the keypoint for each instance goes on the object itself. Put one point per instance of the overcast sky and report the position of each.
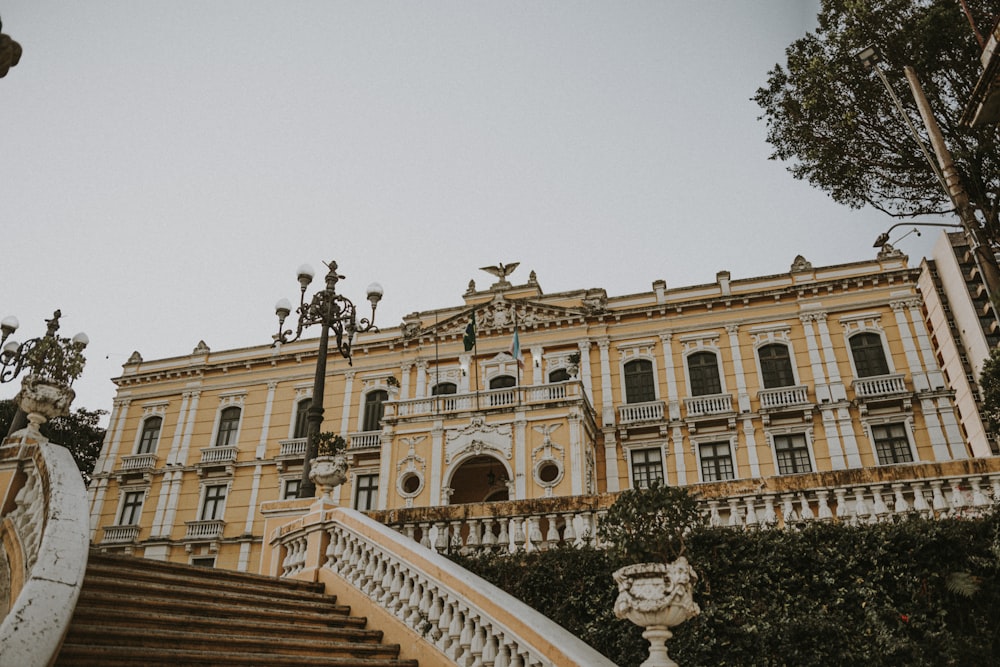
(166, 166)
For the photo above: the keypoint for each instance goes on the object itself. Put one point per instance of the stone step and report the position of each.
(126, 570)
(326, 628)
(192, 637)
(144, 605)
(87, 655)
(207, 591)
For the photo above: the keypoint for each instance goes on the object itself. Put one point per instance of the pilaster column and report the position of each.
(585, 372)
(906, 338)
(576, 454)
(422, 379)
(521, 455)
(815, 361)
(607, 398)
(934, 375)
(181, 459)
(537, 372)
(837, 390)
(677, 447)
(670, 371)
(404, 381)
(742, 397)
(753, 460)
(265, 427)
(437, 460)
(115, 435)
(345, 414)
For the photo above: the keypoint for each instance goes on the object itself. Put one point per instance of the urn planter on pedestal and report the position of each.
(328, 472)
(656, 596)
(43, 399)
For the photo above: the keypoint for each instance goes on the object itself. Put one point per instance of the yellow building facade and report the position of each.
(568, 394)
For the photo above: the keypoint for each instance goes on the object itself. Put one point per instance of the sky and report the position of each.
(165, 167)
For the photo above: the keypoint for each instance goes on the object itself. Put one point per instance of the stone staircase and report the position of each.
(134, 611)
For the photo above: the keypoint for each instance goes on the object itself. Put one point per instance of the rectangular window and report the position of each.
(891, 444)
(291, 489)
(365, 492)
(203, 561)
(647, 467)
(716, 462)
(131, 508)
(793, 454)
(215, 502)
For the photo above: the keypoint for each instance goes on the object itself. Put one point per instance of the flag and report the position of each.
(469, 339)
(515, 349)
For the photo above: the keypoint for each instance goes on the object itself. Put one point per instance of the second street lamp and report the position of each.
(333, 312)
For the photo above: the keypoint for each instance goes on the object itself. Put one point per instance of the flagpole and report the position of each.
(474, 366)
(517, 359)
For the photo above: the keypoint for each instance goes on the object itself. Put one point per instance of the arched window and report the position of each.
(639, 381)
(229, 424)
(869, 355)
(703, 369)
(503, 381)
(302, 417)
(374, 407)
(559, 375)
(150, 435)
(444, 388)
(775, 366)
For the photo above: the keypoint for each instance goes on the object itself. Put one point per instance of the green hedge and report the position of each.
(915, 592)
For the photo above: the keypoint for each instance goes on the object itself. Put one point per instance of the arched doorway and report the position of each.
(479, 479)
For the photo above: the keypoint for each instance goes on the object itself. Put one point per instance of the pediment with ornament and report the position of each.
(478, 438)
(500, 315)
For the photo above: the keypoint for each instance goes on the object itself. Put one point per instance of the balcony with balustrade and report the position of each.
(708, 408)
(120, 534)
(882, 390)
(531, 397)
(136, 464)
(364, 441)
(779, 400)
(204, 531)
(217, 457)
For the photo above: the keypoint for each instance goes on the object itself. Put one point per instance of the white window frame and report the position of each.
(643, 350)
(643, 446)
(149, 411)
(865, 323)
(373, 493)
(123, 493)
(706, 342)
(230, 400)
(885, 420)
(708, 438)
(807, 433)
(203, 494)
(779, 335)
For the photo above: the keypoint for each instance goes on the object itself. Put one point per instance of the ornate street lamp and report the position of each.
(332, 312)
(56, 359)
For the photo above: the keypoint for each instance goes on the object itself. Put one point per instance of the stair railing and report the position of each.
(44, 542)
(463, 618)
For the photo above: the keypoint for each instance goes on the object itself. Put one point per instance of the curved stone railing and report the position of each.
(461, 618)
(44, 541)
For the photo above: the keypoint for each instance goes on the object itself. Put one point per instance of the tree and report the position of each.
(79, 432)
(834, 120)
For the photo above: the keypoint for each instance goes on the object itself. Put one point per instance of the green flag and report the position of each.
(469, 339)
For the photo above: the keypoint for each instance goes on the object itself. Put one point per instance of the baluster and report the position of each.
(750, 511)
(441, 541)
(444, 641)
(434, 615)
(901, 506)
(995, 484)
(770, 516)
(552, 534)
(957, 502)
(518, 534)
(569, 532)
(489, 655)
(979, 498)
(919, 499)
(879, 508)
(369, 576)
(788, 509)
(503, 652)
(388, 577)
(805, 512)
(395, 594)
(354, 561)
(940, 503)
(534, 534)
(403, 608)
(843, 511)
(455, 544)
(377, 591)
(410, 530)
(861, 511)
(478, 643)
(465, 658)
(503, 539)
(714, 519)
(331, 547)
(455, 633)
(425, 535)
(588, 531)
(414, 603)
(489, 539)
(824, 512)
(472, 542)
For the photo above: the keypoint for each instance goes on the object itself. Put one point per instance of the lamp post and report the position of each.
(883, 238)
(333, 312)
(945, 171)
(50, 356)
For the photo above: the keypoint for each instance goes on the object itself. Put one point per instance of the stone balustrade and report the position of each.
(783, 397)
(861, 495)
(634, 413)
(138, 462)
(462, 619)
(881, 385)
(204, 530)
(714, 404)
(120, 534)
(364, 440)
(219, 454)
(525, 395)
(44, 543)
(292, 448)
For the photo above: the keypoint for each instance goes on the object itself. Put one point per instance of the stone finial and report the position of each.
(136, 358)
(888, 252)
(201, 348)
(801, 264)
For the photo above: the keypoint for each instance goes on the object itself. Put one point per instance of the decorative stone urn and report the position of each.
(42, 399)
(328, 472)
(656, 596)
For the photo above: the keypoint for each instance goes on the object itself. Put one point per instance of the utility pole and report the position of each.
(985, 259)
